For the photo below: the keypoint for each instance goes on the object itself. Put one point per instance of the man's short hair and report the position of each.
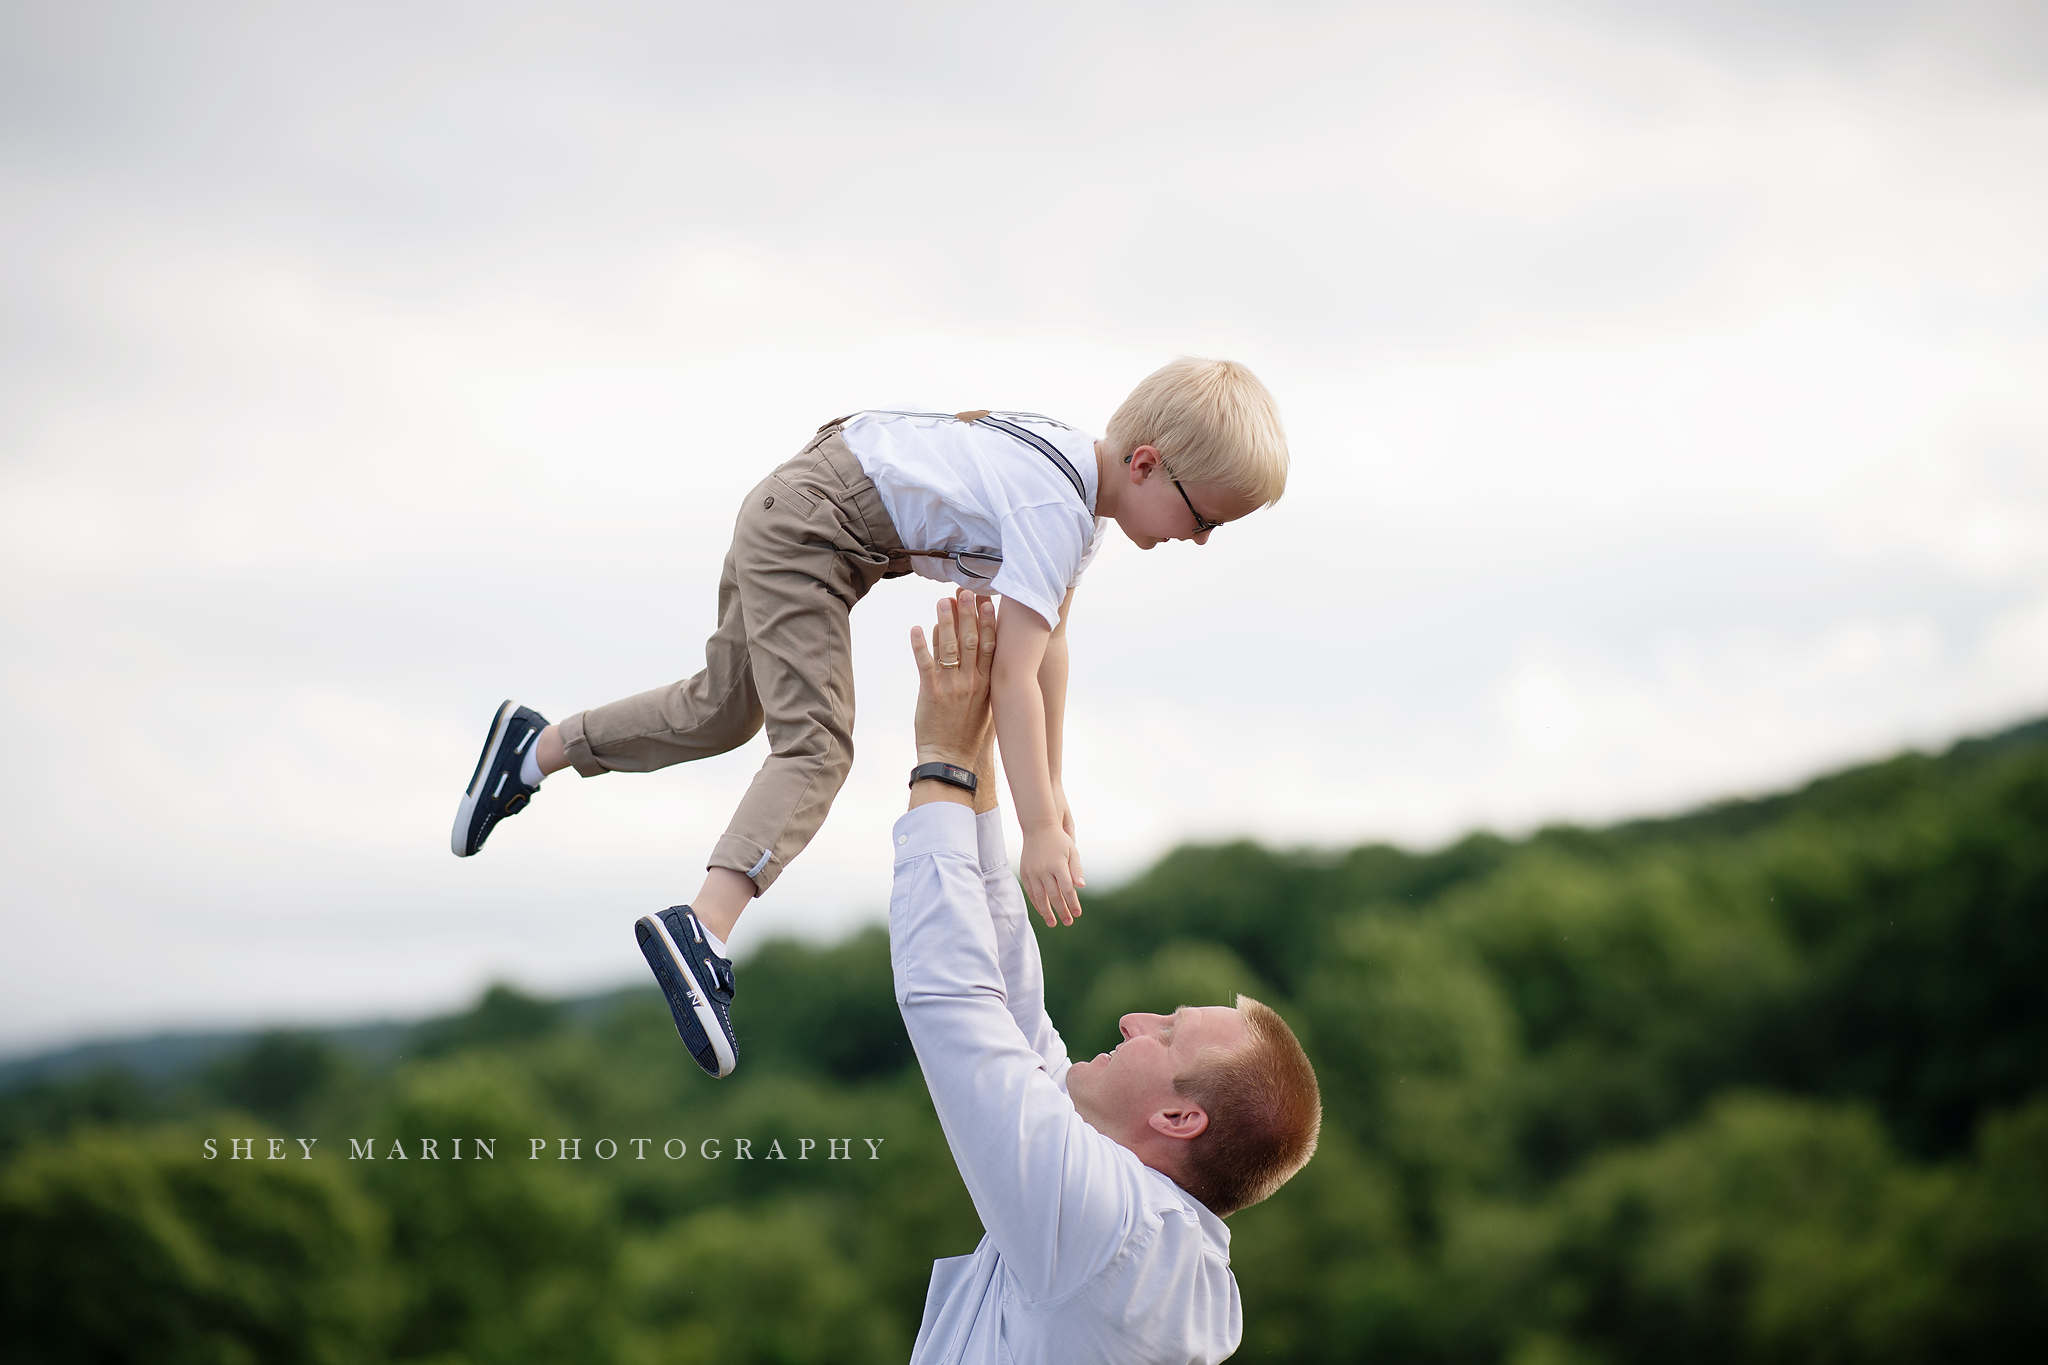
(1212, 421)
(1264, 1113)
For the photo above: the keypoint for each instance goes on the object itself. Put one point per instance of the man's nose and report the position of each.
(1131, 1025)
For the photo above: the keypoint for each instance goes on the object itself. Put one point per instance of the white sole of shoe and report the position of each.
(700, 1002)
(459, 836)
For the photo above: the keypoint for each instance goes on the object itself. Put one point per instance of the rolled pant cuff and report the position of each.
(748, 858)
(577, 745)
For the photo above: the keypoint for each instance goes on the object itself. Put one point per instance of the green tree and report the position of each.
(506, 1259)
(1327, 1266)
(121, 1246)
(1415, 1047)
(1638, 981)
(826, 1010)
(280, 1077)
(1993, 1245)
(1925, 928)
(1772, 1230)
(503, 1016)
(777, 1285)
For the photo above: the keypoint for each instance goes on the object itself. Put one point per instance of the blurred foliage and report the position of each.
(1767, 1082)
(132, 1245)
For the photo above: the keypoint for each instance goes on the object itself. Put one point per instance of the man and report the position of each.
(1102, 1184)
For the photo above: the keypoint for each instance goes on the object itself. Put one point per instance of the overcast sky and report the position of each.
(1664, 383)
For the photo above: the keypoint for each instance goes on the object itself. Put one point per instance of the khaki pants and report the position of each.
(810, 541)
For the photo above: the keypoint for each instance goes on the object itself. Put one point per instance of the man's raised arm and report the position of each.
(1023, 970)
(1041, 1179)
(1017, 946)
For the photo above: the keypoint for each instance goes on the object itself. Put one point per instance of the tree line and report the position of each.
(1764, 1082)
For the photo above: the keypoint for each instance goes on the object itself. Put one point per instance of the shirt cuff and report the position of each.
(988, 835)
(936, 827)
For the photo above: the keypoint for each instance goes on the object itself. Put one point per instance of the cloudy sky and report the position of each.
(1664, 383)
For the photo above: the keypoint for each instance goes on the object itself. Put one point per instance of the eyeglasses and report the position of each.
(1202, 523)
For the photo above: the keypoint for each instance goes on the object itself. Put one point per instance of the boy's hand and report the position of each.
(1059, 801)
(1050, 870)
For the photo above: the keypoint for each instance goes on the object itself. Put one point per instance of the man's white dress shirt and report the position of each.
(1089, 1254)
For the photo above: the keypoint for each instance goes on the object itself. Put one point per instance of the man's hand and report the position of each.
(953, 723)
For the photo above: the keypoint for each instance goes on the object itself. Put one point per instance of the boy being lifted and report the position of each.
(1008, 503)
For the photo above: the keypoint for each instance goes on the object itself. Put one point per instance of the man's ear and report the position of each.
(1183, 1121)
(1144, 462)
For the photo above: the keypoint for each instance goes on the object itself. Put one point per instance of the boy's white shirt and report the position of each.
(1089, 1254)
(951, 485)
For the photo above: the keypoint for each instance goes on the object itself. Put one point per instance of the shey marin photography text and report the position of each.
(547, 1149)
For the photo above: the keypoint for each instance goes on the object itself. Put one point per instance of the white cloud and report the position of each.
(1662, 382)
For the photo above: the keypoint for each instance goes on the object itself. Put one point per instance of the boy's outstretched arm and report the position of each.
(1049, 869)
(1052, 686)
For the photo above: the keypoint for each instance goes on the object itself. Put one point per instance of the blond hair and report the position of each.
(1211, 421)
(1264, 1114)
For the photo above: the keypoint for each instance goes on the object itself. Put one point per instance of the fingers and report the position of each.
(1068, 901)
(966, 625)
(1052, 893)
(975, 618)
(1041, 888)
(985, 611)
(1051, 902)
(919, 652)
(946, 635)
(1056, 898)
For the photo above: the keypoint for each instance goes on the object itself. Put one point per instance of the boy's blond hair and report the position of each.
(1211, 421)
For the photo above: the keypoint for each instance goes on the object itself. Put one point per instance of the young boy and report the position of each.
(1006, 503)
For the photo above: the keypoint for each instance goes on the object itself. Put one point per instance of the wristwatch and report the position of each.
(950, 774)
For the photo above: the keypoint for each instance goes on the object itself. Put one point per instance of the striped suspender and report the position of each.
(1020, 433)
(1043, 447)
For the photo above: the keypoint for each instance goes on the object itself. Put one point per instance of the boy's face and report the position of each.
(1151, 509)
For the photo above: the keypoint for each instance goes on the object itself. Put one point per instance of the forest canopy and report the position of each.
(1767, 1081)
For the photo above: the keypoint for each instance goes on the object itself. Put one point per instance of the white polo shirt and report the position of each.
(1013, 482)
(1090, 1255)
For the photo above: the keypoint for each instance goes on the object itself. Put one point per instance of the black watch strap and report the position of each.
(948, 773)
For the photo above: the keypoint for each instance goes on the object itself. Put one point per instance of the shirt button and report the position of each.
(903, 838)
